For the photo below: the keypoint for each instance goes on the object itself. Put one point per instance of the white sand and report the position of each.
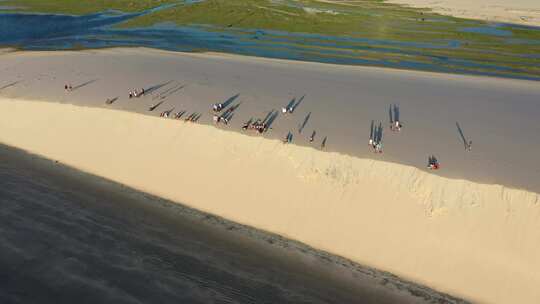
(514, 11)
(468, 238)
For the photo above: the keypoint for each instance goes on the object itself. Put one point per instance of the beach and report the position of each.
(526, 12)
(469, 229)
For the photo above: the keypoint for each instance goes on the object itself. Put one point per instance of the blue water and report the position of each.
(487, 30)
(61, 32)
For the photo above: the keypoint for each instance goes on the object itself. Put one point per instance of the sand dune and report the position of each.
(469, 239)
(498, 115)
(470, 229)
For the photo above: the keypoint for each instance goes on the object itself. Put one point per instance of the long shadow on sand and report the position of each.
(84, 84)
(156, 87)
(111, 100)
(169, 92)
(304, 123)
(153, 107)
(463, 138)
(295, 106)
(229, 100)
(9, 85)
(393, 113)
(290, 104)
(271, 118)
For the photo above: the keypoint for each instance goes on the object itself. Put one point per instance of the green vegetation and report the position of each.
(362, 19)
(80, 7)
(288, 16)
(406, 28)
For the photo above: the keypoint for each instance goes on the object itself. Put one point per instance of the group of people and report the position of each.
(261, 126)
(258, 125)
(224, 117)
(433, 163)
(136, 93)
(377, 146)
(292, 105)
(396, 126)
(468, 146)
(179, 114)
(166, 114)
(193, 117)
(217, 107)
(286, 110)
(375, 138)
(289, 137)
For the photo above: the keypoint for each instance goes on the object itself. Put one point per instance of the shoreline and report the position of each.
(269, 60)
(446, 217)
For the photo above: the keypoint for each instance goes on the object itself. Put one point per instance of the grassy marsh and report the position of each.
(377, 30)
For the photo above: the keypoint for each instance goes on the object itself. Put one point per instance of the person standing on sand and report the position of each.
(288, 138)
(433, 163)
(378, 147)
(397, 126)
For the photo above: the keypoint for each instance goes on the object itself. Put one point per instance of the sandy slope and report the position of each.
(460, 231)
(498, 115)
(472, 240)
(516, 11)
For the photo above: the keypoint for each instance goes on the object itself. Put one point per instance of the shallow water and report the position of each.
(487, 30)
(66, 237)
(60, 32)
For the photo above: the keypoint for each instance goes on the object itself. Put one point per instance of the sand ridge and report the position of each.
(343, 101)
(471, 240)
